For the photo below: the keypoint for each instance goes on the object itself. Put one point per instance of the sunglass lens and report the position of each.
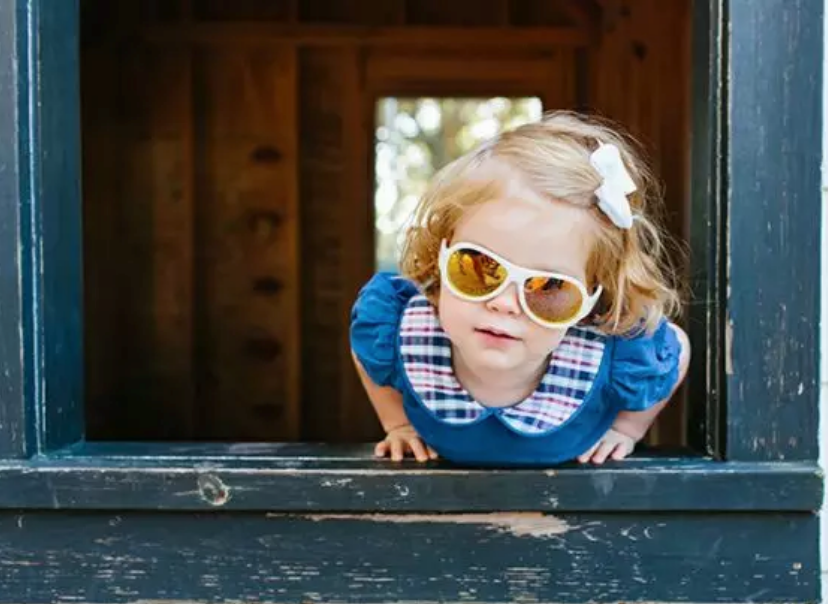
(474, 273)
(553, 300)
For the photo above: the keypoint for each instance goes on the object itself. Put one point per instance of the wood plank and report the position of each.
(352, 12)
(150, 264)
(560, 89)
(243, 10)
(458, 13)
(246, 237)
(573, 13)
(103, 256)
(127, 557)
(17, 439)
(357, 419)
(56, 249)
(401, 73)
(775, 119)
(256, 34)
(708, 281)
(327, 206)
(304, 477)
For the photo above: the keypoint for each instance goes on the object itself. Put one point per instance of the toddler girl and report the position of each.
(530, 325)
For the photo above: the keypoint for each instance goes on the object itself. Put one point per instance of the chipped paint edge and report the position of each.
(518, 524)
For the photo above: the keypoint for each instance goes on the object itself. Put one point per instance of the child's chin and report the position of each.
(498, 360)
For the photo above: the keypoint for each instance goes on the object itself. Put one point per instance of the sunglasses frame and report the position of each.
(517, 275)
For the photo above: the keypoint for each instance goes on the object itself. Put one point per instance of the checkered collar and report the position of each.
(426, 356)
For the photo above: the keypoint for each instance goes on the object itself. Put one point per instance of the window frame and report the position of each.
(756, 430)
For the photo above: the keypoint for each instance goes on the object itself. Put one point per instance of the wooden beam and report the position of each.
(502, 557)
(410, 37)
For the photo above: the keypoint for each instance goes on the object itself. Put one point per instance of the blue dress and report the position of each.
(396, 335)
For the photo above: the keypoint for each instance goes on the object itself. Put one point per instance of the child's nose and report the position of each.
(506, 301)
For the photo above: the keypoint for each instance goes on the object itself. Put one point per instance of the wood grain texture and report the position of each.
(775, 129)
(55, 225)
(138, 207)
(329, 478)
(373, 558)
(247, 224)
(707, 413)
(16, 436)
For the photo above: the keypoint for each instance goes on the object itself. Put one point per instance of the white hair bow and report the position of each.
(617, 184)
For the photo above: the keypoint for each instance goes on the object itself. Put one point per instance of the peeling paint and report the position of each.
(528, 524)
(337, 482)
(212, 490)
(728, 337)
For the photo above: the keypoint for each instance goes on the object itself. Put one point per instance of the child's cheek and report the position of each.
(455, 315)
(541, 341)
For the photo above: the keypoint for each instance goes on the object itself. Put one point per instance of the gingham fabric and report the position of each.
(426, 357)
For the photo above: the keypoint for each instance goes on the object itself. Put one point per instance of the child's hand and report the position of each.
(400, 441)
(613, 445)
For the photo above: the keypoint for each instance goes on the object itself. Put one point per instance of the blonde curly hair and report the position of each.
(552, 157)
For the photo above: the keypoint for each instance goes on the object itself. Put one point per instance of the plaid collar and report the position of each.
(426, 357)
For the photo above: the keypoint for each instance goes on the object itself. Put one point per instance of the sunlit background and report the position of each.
(415, 137)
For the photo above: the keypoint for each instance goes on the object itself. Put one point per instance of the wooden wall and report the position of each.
(640, 76)
(228, 183)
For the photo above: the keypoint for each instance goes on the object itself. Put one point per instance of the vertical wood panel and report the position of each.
(103, 146)
(151, 235)
(337, 247)
(56, 252)
(17, 435)
(247, 225)
(358, 421)
(775, 126)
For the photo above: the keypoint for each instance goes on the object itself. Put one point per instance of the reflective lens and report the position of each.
(473, 273)
(553, 300)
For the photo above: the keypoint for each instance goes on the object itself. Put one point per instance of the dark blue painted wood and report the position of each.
(40, 282)
(775, 127)
(56, 230)
(17, 426)
(49, 557)
(706, 411)
(304, 478)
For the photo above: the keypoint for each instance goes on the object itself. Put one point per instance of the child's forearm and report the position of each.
(387, 401)
(636, 423)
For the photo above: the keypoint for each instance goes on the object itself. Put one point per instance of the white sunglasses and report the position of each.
(553, 300)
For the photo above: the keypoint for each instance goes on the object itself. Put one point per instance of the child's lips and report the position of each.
(497, 334)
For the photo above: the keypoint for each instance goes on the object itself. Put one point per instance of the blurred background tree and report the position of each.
(414, 138)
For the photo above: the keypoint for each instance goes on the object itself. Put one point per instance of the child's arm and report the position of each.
(631, 426)
(400, 435)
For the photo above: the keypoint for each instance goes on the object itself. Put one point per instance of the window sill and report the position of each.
(326, 478)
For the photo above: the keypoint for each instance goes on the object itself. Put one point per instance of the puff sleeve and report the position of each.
(375, 320)
(645, 368)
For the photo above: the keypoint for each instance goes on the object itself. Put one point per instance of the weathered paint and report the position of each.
(16, 436)
(705, 325)
(54, 240)
(304, 478)
(85, 557)
(775, 127)
(531, 524)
